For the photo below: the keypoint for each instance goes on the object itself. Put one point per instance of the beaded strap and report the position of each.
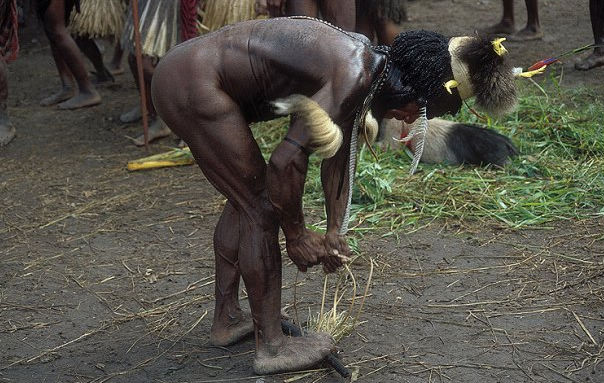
(360, 115)
(360, 119)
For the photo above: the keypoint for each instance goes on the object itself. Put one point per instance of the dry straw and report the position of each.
(218, 13)
(333, 321)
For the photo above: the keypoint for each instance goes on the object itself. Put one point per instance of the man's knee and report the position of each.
(55, 31)
(263, 215)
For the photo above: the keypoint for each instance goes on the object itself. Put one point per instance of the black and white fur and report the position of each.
(452, 143)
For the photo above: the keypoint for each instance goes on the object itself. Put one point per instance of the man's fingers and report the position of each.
(343, 258)
(332, 262)
(335, 253)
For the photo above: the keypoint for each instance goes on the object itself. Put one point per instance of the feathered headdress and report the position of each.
(463, 67)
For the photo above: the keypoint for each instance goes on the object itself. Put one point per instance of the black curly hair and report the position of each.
(421, 66)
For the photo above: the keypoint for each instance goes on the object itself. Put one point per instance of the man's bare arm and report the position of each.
(335, 181)
(286, 176)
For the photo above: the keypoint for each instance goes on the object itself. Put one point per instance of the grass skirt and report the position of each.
(219, 13)
(99, 19)
(159, 22)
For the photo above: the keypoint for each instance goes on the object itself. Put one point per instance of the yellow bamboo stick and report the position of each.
(133, 166)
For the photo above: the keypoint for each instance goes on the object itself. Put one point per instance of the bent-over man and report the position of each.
(208, 90)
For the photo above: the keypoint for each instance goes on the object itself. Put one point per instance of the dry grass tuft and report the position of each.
(340, 323)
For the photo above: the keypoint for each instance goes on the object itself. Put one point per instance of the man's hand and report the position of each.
(307, 250)
(312, 248)
(337, 250)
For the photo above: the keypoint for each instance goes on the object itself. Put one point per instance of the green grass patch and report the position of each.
(558, 174)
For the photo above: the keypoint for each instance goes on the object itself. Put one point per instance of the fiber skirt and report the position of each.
(99, 19)
(159, 26)
(219, 13)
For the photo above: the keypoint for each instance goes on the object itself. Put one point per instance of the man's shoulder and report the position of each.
(361, 37)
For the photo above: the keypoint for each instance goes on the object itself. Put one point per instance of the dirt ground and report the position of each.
(107, 275)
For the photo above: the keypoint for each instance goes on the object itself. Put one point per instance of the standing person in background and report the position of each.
(9, 47)
(507, 25)
(163, 24)
(68, 59)
(379, 20)
(99, 20)
(596, 59)
(159, 20)
(341, 13)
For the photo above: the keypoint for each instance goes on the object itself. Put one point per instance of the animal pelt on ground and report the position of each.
(452, 142)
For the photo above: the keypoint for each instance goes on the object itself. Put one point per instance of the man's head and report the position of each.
(422, 63)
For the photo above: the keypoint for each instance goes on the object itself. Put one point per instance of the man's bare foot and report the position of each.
(294, 354)
(115, 70)
(526, 34)
(133, 115)
(102, 78)
(157, 129)
(226, 334)
(81, 100)
(592, 61)
(7, 133)
(501, 28)
(64, 94)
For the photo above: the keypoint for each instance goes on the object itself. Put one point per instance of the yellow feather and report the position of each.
(450, 85)
(498, 47)
(531, 73)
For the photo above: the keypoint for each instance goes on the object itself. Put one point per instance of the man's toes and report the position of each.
(232, 333)
(590, 62)
(57, 98)
(295, 354)
(526, 35)
(501, 28)
(80, 101)
(156, 131)
(132, 115)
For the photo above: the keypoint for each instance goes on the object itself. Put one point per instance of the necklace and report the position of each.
(360, 119)
(361, 114)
